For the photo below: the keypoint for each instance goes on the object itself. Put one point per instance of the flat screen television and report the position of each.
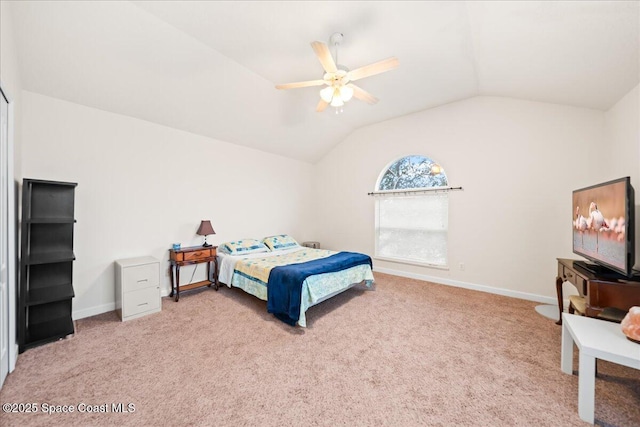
(603, 227)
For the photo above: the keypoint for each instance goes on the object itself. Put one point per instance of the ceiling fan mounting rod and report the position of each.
(335, 40)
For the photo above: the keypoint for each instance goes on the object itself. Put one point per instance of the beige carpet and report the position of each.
(409, 353)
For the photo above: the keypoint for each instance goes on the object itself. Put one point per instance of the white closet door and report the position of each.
(4, 241)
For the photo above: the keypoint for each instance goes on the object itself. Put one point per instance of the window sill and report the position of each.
(410, 262)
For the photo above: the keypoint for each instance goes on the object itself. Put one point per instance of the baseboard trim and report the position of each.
(93, 311)
(472, 286)
(14, 359)
(104, 308)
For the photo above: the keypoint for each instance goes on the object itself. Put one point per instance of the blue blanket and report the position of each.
(284, 288)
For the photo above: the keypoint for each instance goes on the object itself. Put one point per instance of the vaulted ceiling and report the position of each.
(210, 67)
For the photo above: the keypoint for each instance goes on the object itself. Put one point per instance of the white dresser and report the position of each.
(137, 287)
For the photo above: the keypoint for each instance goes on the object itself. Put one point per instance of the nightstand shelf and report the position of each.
(195, 285)
(188, 256)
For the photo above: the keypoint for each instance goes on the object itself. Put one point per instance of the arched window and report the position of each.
(412, 226)
(412, 172)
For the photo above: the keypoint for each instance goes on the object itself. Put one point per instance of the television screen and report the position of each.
(603, 225)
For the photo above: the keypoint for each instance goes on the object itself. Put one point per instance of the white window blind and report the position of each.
(413, 228)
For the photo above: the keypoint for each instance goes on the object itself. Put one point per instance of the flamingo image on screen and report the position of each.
(600, 233)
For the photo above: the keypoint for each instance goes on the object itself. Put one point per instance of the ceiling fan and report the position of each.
(337, 78)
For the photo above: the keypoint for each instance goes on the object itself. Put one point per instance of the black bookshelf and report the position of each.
(46, 270)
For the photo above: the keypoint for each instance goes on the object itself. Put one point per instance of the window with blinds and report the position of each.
(412, 227)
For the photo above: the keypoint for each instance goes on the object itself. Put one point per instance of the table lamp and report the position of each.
(204, 230)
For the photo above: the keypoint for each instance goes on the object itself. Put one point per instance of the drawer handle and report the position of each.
(197, 254)
(140, 305)
(143, 280)
(569, 275)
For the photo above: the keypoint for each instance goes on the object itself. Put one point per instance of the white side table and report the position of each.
(595, 339)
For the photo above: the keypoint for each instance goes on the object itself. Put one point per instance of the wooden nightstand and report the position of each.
(192, 255)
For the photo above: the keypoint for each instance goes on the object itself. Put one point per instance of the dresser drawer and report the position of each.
(204, 253)
(141, 301)
(191, 254)
(572, 276)
(581, 284)
(568, 275)
(140, 277)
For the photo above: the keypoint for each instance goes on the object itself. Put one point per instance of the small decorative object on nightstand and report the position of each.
(204, 230)
(137, 287)
(192, 255)
(314, 245)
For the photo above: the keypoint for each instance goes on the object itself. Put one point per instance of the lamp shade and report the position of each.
(326, 94)
(205, 228)
(346, 93)
(337, 101)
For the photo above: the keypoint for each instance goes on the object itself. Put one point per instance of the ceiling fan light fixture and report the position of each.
(346, 93)
(326, 94)
(337, 102)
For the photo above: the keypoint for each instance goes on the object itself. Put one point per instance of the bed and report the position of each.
(292, 278)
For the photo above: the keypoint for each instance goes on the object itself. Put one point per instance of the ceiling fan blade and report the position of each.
(373, 69)
(321, 106)
(323, 54)
(301, 84)
(362, 94)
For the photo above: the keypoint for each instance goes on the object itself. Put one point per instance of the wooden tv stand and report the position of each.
(599, 292)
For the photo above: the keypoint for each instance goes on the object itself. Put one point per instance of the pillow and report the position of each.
(243, 246)
(282, 241)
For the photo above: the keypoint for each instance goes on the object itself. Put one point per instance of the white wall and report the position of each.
(622, 136)
(518, 162)
(142, 187)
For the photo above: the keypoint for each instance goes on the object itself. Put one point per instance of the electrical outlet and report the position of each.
(462, 266)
